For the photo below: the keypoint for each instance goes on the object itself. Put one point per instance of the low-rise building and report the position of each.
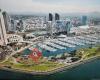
(13, 38)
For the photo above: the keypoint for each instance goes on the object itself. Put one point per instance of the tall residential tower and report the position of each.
(57, 16)
(3, 37)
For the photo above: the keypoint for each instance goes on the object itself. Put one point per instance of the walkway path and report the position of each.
(14, 52)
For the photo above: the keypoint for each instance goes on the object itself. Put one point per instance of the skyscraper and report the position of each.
(49, 24)
(84, 20)
(68, 26)
(12, 25)
(50, 17)
(3, 37)
(21, 24)
(6, 20)
(57, 17)
(63, 26)
(49, 28)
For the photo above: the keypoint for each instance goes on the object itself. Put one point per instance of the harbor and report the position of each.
(85, 65)
(49, 40)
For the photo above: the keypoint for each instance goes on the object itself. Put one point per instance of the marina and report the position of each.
(49, 40)
(63, 43)
(46, 47)
(68, 44)
(87, 71)
(54, 45)
(75, 42)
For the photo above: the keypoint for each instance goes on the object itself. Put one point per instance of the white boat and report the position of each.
(46, 47)
(72, 41)
(63, 43)
(55, 45)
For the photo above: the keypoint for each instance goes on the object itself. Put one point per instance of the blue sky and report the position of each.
(87, 2)
(63, 6)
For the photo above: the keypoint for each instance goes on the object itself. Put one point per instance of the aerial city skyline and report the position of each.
(50, 39)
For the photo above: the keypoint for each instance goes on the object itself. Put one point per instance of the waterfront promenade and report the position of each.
(55, 70)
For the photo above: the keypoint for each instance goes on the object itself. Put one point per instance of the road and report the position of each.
(14, 52)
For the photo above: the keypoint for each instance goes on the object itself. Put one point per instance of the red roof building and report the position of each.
(35, 55)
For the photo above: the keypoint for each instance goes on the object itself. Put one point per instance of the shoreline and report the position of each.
(59, 69)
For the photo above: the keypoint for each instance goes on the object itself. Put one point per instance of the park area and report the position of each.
(43, 64)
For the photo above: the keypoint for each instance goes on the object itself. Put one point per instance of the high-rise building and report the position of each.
(3, 37)
(95, 21)
(57, 17)
(12, 26)
(49, 28)
(63, 26)
(21, 24)
(49, 24)
(68, 26)
(6, 20)
(50, 17)
(84, 20)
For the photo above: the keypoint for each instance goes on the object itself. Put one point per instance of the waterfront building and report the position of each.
(3, 37)
(35, 55)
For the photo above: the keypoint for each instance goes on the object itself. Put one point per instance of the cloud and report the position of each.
(16, 5)
(49, 5)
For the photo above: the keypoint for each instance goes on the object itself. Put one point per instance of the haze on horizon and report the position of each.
(45, 6)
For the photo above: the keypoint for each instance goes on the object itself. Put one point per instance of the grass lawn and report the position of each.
(44, 66)
(89, 52)
(38, 67)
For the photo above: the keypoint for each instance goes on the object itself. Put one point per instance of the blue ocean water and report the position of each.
(87, 71)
